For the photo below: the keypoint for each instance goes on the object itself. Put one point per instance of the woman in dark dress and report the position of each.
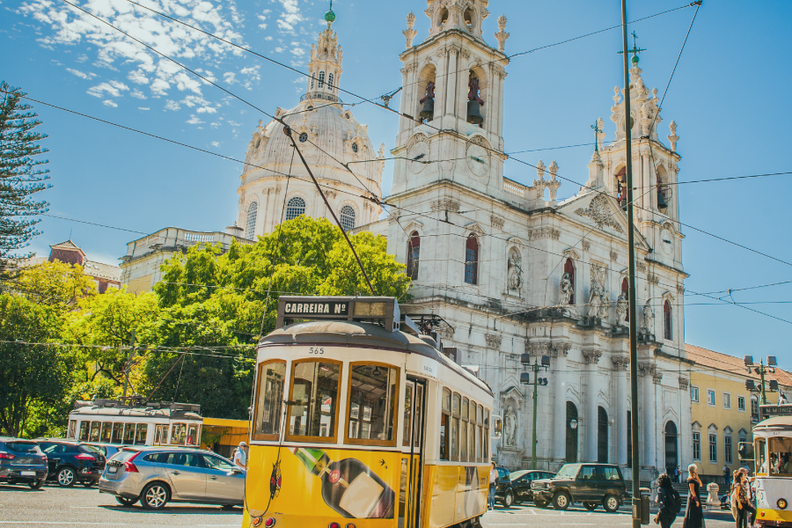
(694, 517)
(665, 498)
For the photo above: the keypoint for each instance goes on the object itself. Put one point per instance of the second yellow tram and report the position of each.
(361, 421)
(773, 483)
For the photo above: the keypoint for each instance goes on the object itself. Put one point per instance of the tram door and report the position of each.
(410, 506)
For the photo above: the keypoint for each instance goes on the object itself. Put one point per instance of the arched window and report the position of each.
(667, 320)
(347, 217)
(295, 208)
(621, 190)
(413, 255)
(250, 224)
(321, 79)
(625, 288)
(569, 269)
(602, 435)
(671, 447)
(312, 82)
(471, 260)
(330, 79)
(571, 432)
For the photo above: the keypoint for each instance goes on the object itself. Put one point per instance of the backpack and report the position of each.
(676, 502)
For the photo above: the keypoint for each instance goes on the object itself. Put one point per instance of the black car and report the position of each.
(503, 487)
(591, 484)
(22, 462)
(521, 483)
(70, 462)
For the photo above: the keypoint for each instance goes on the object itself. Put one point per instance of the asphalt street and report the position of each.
(69, 507)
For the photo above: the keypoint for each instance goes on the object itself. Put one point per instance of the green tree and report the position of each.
(21, 175)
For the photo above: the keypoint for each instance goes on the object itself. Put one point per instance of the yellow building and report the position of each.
(222, 435)
(723, 411)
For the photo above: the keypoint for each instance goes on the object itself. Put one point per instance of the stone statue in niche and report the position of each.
(566, 290)
(648, 318)
(621, 310)
(595, 301)
(515, 271)
(510, 427)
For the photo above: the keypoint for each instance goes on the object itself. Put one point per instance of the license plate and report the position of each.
(112, 469)
(27, 473)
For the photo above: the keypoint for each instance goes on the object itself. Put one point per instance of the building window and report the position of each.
(726, 400)
(330, 80)
(713, 447)
(321, 79)
(667, 320)
(694, 394)
(413, 255)
(741, 403)
(295, 208)
(471, 260)
(250, 224)
(569, 271)
(347, 217)
(696, 445)
(625, 288)
(727, 449)
(754, 405)
(303, 137)
(710, 397)
(355, 148)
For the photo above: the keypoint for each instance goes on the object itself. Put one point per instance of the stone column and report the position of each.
(591, 358)
(559, 384)
(441, 81)
(453, 76)
(621, 390)
(648, 371)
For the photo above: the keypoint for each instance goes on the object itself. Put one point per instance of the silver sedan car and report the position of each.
(158, 475)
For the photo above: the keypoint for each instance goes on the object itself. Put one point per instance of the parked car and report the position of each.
(521, 483)
(158, 475)
(70, 462)
(503, 487)
(591, 484)
(107, 450)
(22, 462)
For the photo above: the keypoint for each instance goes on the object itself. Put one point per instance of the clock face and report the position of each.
(478, 160)
(420, 153)
(667, 241)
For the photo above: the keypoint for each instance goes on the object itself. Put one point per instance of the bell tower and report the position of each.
(452, 91)
(325, 64)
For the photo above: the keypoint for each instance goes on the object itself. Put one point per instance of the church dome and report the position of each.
(328, 135)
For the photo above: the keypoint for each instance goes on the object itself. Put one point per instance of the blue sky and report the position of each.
(728, 97)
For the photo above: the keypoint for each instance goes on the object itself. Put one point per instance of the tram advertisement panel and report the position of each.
(317, 482)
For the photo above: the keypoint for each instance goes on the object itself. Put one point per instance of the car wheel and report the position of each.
(38, 484)
(610, 503)
(123, 501)
(590, 506)
(561, 500)
(154, 496)
(66, 477)
(508, 499)
(540, 503)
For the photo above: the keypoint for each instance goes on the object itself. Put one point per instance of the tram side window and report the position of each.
(761, 462)
(160, 434)
(372, 404)
(485, 439)
(780, 450)
(192, 435)
(472, 433)
(96, 428)
(269, 402)
(142, 431)
(107, 429)
(455, 427)
(408, 405)
(72, 429)
(118, 433)
(129, 434)
(314, 388)
(178, 434)
(445, 418)
(419, 405)
(85, 429)
(480, 425)
(463, 433)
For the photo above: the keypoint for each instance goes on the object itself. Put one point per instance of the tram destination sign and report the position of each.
(382, 310)
(330, 308)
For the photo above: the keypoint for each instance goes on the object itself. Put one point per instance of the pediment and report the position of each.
(600, 211)
(512, 390)
(415, 225)
(474, 227)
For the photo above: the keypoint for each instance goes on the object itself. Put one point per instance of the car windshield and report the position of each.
(124, 455)
(518, 474)
(568, 471)
(24, 447)
(96, 449)
(216, 462)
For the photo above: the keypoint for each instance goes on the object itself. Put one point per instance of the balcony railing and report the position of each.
(513, 187)
(322, 96)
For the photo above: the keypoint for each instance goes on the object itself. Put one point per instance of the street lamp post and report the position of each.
(761, 370)
(525, 379)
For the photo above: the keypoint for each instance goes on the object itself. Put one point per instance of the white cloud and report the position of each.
(194, 120)
(137, 94)
(113, 88)
(229, 78)
(172, 105)
(110, 103)
(137, 77)
(280, 49)
(80, 74)
(215, 143)
(290, 17)
(142, 108)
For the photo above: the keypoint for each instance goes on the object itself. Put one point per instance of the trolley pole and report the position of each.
(535, 398)
(636, 465)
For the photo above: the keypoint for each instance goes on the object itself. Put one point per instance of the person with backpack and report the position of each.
(669, 501)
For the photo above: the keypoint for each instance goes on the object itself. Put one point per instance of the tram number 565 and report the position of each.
(316, 351)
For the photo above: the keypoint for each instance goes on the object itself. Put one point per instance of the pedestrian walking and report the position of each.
(694, 517)
(727, 477)
(492, 480)
(240, 455)
(741, 501)
(669, 501)
(677, 473)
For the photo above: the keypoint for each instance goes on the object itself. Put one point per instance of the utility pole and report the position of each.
(761, 370)
(525, 378)
(129, 363)
(636, 451)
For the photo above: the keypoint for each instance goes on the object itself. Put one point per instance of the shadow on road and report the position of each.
(179, 509)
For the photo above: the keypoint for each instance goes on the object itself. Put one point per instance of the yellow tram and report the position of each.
(773, 483)
(361, 421)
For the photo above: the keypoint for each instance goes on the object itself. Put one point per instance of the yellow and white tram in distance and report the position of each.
(360, 421)
(773, 461)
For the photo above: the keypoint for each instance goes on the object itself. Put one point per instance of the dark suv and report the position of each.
(503, 487)
(22, 462)
(591, 484)
(70, 462)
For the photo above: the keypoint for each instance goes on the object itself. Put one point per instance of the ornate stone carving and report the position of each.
(515, 272)
(502, 35)
(599, 212)
(445, 331)
(445, 204)
(493, 340)
(673, 138)
(680, 288)
(393, 217)
(410, 33)
(510, 420)
(565, 290)
(544, 232)
(614, 256)
(586, 245)
(657, 378)
(546, 348)
(647, 318)
(654, 279)
(620, 363)
(597, 303)
(496, 221)
(640, 266)
(683, 383)
(464, 53)
(591, 355)
(646, 368)
(621, 309)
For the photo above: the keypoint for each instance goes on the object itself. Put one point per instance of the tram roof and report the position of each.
(366, 335)
(775, 422)
(88, 409)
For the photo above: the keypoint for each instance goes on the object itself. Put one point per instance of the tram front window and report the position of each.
(780, 450)
(372, 402)
(314, 390)
(761, 458)
(269, 401)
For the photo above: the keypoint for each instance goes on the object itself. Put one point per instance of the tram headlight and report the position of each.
(782, 504)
